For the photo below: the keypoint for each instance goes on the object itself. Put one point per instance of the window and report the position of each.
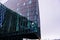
(17, 9)
(21, 14)
(24, 4)
(30, 2)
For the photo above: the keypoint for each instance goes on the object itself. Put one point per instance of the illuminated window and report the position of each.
(20, 13)
(17, 9)
(24, 4)
(30, 2)
(32, 23)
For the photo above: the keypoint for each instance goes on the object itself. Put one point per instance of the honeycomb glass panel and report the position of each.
(19, 17)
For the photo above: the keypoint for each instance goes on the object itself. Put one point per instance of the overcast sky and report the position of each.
(49, 18)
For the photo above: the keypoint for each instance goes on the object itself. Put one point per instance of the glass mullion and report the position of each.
(17, 26)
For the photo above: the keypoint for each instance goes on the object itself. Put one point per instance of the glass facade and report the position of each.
(24, 20)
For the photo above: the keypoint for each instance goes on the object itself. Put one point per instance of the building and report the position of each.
(14, 25)
(30, 10)
(26, 8)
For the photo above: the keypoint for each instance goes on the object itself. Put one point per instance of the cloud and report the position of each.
(3, 1)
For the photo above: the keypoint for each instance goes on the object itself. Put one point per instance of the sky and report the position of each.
(3, 1)
(49, 18)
